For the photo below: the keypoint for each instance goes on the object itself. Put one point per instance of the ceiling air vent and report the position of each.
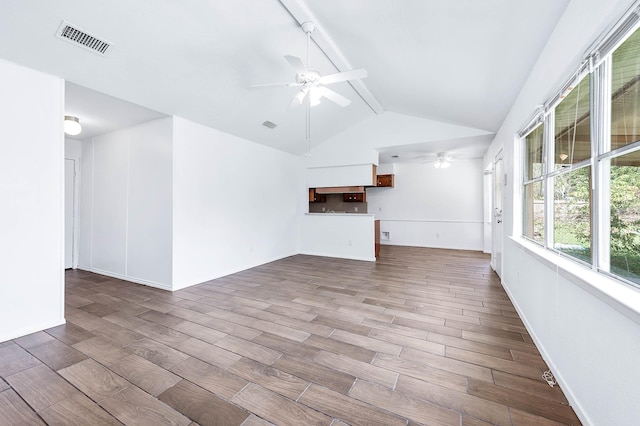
(81, 38)
(269, 124)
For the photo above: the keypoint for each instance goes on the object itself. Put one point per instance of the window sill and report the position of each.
(622, 297)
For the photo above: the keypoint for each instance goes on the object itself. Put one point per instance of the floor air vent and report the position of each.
(269, 124)
(81, 38)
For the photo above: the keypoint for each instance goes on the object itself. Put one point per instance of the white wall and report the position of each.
(31, 210)
(386, 169)
(409, 211)
(236, 203)
(126, 204)
(354, 175)
(347, 236)
(72, 149)
(589, 339)
(431, 207)
(170, 203)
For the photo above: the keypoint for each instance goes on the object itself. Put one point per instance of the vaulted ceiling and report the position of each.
(460, 62)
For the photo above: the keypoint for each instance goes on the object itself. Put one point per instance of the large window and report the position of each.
(625, 93)
(624, 199)
(533, 186)
(621, 159)
(586, 157)
(572, 129)
(572, 213)
(572, 173)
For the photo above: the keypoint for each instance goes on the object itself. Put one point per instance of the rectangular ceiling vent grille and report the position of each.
(269, 124)
(81, 38)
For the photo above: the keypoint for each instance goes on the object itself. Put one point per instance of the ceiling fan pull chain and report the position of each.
(308, 29)
(309, 120)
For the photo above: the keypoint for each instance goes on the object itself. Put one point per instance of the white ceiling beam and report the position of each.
(302, 14)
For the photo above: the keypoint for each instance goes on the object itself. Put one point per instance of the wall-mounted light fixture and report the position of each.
(72, 125)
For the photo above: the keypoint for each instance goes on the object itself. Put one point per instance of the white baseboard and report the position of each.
(125, 278)
(365, 259)
(14, 334)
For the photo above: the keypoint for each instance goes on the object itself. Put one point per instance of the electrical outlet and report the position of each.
(349, 242)
(437, 235)
(355, 209)
(323, 209)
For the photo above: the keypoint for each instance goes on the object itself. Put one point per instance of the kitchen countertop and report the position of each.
(340, 214)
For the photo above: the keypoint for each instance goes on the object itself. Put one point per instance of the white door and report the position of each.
(69, 202)
(496, 228)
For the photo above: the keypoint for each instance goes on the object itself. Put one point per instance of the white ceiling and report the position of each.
(100, 113)
(458, 148)
(461, 62)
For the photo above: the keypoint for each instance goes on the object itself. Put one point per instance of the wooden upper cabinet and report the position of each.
(375, 174)
(384, 181)
(355, 197)
(314, 197)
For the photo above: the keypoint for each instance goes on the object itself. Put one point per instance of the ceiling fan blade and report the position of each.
(270, 85)
(333, 96)
(296, 63)
(344, 76)
(299, 98)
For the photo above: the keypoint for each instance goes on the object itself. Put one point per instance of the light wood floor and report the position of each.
(423, 336)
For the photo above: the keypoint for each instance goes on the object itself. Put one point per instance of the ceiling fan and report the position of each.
(313, 85)
(442, 160)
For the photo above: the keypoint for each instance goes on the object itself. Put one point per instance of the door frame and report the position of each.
(497, 210)
(76, 204)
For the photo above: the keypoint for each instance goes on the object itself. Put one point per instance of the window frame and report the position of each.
(538, 121)
(598, 67)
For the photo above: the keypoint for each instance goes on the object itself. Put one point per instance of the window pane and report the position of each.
(573, 127)
(534, 211)
(533, 153)
(572, 213)
(625, 216)
(625, 93)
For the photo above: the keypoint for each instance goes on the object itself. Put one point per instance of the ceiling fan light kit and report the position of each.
(311, 83)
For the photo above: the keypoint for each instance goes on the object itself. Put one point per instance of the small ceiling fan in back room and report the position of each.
(313, 85)
(441, 160)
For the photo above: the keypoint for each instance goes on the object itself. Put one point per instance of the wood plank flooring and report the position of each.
(422, 336)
